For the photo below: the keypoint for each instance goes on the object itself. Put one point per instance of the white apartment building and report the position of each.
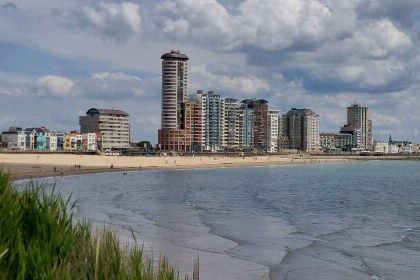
(50, 141)
(213, 121)
(89, 141)
(274, 120)
(381, 147)
(112, 127)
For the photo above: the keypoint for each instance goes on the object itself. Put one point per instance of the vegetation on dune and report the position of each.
(40, 240)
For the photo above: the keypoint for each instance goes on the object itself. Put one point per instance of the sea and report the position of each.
(358, 220)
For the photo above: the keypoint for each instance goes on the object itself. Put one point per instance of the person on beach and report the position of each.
(112, 166)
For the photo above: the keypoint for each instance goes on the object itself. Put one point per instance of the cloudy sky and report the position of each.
(58, 58)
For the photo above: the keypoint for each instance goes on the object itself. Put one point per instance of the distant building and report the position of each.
(193, 125)
(89, 141)
(172, 135)
(213, 121)
(232, 124)
(356, 136)
(336, 143)
(416, 148)
(301, 127)
(255, 124)
(399, 147)
(246, 127)
(174, 88)
(67, 142)
(381, 147)
(50, 141)
(358, 119)
(60, 141)
(15, 138)
(35, 138)
(274, 130)
(112, 127)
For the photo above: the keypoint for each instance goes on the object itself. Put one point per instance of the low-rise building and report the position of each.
(67, 142)
(76, 141)
(336, 142)
(51, 141)
(89, 141)
(400, 147)
(15, 138)
(380, 147)
(356, 136)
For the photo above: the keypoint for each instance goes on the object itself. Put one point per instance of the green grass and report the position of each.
(40, 240)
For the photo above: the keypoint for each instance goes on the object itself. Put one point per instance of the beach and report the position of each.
(356, 220)
(27, 166)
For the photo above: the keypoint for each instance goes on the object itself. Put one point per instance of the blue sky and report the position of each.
(58, 58)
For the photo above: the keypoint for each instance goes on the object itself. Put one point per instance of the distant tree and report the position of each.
(146, 145)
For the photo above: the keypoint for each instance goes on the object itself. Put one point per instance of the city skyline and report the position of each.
(56, 73)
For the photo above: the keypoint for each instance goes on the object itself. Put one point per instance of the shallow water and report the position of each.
(318, 222)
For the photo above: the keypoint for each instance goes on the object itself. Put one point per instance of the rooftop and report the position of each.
(94, 111)
(175, 54)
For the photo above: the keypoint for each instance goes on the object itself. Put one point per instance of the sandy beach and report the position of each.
(26, 166)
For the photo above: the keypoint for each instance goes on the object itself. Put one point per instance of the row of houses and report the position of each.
(42, 139)
(396, 147)
(342, 142)
(100, 129)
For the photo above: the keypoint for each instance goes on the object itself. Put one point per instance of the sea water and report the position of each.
(305, 222)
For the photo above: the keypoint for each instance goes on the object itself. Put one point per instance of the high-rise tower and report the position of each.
(177, 133)
(357, 117)
(174, 89)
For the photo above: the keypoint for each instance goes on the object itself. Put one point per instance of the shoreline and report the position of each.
(33, 166)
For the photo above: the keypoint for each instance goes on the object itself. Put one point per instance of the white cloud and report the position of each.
(55, 85)
(113, 20)
(11, 91)
(267, 25)
(114, 86)
(203, 78)
(381, 38)
(385, 121)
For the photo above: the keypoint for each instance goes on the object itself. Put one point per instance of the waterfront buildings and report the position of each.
(358, 119)
(255, 124)
(174, 88)
(381, 147)
(89, 141)
(50, 141)
(274, 130)
(172, 135)
(112, 127)
(399, 147)
(193, 124)
(336, 143)
(15, 138)
(246, 129)
(213, 121)
(232, 124)
(355, 134)
(301, 126)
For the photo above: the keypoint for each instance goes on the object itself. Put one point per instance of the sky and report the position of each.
(59, 58)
